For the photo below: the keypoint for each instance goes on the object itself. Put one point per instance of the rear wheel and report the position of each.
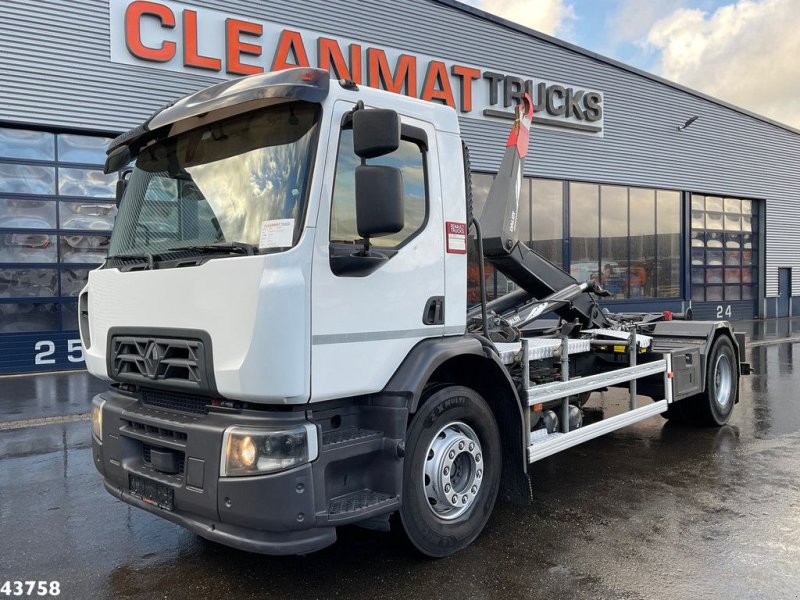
(714, 406)
(451, 473)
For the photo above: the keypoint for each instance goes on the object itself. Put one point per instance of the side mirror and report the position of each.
(379, 201)
(122, 184)
(376, 132)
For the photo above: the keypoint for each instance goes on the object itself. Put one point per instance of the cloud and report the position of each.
(746, 53)
(548, 16)
(632, 19)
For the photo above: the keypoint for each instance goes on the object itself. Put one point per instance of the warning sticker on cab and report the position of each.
(277, 233)
(456, 237)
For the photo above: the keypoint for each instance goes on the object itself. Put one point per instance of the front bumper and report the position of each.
(290, 512)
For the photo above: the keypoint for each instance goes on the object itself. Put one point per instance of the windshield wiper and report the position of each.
(147, 257)
(223, 247)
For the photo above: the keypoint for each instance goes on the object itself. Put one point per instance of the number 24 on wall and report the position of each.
(724, 311)
(47, 348)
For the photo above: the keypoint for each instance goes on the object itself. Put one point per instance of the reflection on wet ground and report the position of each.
(654, 510)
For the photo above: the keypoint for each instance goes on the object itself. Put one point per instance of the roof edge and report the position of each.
(482, 14)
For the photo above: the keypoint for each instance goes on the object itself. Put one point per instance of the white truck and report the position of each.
(283, 319)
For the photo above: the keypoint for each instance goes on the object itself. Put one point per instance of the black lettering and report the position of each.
(538, 98)
(573, 103)
(552, 92)
(494, 80)
(513, 90)
(594, 109)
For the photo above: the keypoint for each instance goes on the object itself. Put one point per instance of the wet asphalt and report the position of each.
(651, 511)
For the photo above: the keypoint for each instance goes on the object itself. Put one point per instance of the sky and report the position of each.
(746, 52)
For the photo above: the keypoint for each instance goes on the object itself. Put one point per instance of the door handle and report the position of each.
(434, 311)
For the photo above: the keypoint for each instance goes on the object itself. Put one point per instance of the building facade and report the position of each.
(623, 184)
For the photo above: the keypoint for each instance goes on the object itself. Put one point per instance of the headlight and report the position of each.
(97, 417)
(260, 450)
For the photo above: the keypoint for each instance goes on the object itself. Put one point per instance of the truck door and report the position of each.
(365, 318)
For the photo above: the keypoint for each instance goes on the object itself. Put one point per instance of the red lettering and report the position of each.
(330, 58)
(191, 55)
(134, 14)
(290, 42)
(437, 84)
(380, 74)
(467, 76)
(235, 47)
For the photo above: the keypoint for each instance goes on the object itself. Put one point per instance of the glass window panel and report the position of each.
(409, 159)
(524, 217)
(698, 294)
(733, 222)
(713, 275)
(748, 258)
(733, 240)
(733, 292)
(747, 223)
(698, 275)
(614, 275)
(69, 316)
(481, 183)
(713, 204)
(714, 221)
(27, 247)
(21, 143)
(548, 219)
(698, 219)
(87, 215)
(584, 231)
(748, 292)
(86, 182)
(698, 257)
(698, 239)
(28, 283)
(83, 248)
(733, 205)
(73, 281)
(749, 276)
(29, 214)
(714, 257)
(17, 318)
(733, 257)
(27, 179)
(733, 275)
(641, 272)
(747, 207)
(698, 202)
(747, 241)
(714, 239)
(82, 148)
(668, 223)
(713, 293)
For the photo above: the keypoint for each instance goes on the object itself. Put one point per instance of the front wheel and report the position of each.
(451, 473)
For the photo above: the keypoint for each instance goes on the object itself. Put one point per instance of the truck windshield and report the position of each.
(242, 180)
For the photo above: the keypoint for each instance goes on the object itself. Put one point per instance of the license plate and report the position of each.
(151, 492)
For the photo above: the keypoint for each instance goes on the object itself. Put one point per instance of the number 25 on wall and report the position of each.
(47, 348)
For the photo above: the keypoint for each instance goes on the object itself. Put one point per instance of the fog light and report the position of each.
(256, 450)
(97, 417)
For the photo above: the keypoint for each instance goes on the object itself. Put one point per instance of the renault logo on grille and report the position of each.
(152, 359)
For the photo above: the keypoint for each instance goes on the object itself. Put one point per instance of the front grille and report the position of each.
(154, 431)
(167, 360)
(176, 401)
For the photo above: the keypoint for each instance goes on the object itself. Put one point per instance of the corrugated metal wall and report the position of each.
(56, 72)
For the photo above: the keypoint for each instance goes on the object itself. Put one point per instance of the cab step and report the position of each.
(361, 504)
(339, 437)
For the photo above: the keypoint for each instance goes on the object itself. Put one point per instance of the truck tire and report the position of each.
(714, 406)
(451, 473)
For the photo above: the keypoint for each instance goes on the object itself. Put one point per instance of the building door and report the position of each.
(784, 291)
